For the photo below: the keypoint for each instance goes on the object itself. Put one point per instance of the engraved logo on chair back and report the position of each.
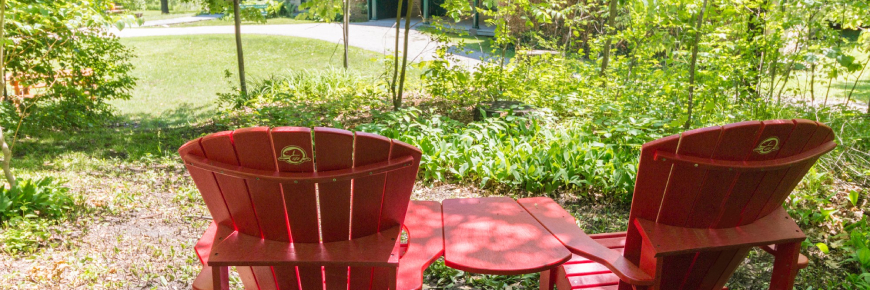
(688, 195)
(304, 212)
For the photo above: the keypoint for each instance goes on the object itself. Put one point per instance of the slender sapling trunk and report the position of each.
(396, 55)
(611, 18)
(398, 102)
(694, 63)
(241, 58)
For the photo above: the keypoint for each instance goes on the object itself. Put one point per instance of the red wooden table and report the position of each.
(495, 235)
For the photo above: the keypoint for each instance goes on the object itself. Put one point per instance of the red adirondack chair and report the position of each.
(702, 200)
(300, 209)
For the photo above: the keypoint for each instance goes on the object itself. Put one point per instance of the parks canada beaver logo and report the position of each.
(293, 155)
(768, 145)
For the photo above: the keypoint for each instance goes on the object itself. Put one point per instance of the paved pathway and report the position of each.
(179, 20)
(375, 36)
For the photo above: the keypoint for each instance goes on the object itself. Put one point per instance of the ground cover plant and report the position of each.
(111, 206)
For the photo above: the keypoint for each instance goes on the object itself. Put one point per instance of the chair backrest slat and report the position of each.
(334, 151)
(399, 183)
(368, 191)
(207, 186)
(300, 198)
(219, 147)
(701, 197)
(268, 202)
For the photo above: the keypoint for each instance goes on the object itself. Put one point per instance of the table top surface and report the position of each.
(495, 235)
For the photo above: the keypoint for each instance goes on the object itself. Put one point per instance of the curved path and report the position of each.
(375, 36)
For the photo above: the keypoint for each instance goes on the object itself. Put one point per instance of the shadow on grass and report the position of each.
(126, 137)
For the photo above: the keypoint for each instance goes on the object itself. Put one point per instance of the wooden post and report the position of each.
(164, 6)
(220, 277)
(548, 279)
(241, 58)
(785, 266)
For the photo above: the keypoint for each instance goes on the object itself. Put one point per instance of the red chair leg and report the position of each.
(220, 277)
(785, 266)
(548, 279)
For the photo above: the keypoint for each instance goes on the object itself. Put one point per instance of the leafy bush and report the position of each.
(43, 197)
(65, 46)
(533, 153)
(324, 98)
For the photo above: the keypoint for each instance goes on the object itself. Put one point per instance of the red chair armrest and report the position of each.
(425, 242)
(776, 228)
(381, 250)
(562, 225)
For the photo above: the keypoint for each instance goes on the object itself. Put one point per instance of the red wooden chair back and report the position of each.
(317, 210)
(718, 177)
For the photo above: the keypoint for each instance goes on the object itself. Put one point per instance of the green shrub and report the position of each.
(534, 153)
(331, 97)
(44, 198)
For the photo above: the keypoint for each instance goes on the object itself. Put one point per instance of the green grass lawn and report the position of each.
(482, 44)
(179, 76)
(151, 15)
(219, 22)
(839, 86)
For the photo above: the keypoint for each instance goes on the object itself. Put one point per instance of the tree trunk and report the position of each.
(4, 148)
(238, 23)
(398, 103)
(396, 56)
(609, 28)
(693, 63)
(164, 6)
(346, 29)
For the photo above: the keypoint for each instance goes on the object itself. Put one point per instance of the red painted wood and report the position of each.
(648, 190)
(680, 194)
(802, 263)
(399, 186)
(666, 240)
(785, 266)
(285, 277)
(425, 243)
(721, 192)
(260, 187)
(367, 197)
(219, 147)
(220, 278)
(244, 250)
(368, 191)
(335, 148)
(300, 178)
(820, 135)
(562, 225)
(266, 198)
(497, 236)
(300, 198)
(207, 186)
